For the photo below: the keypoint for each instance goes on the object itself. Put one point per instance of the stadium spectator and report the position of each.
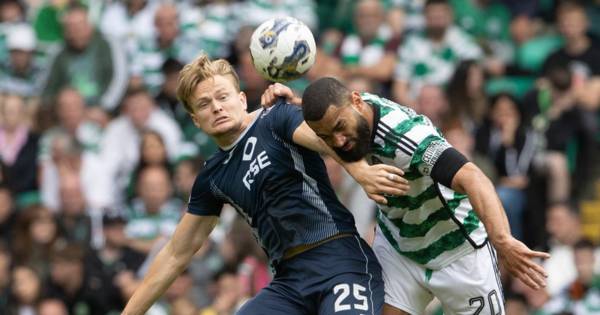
(371, 50)
(69, 160)
(227, 294)
(89, 62)
(26, 290)
(20, 73)
(565, 132)
(431, 58)
(120, 147)
(582, 296)
(240, 251)
(466, 95)
(5, 275)
(564, 230)
(71, 283)
(152, 153)
(511, 148)
(254, 12)
(18, 146)
(154, 213)
(432, 102)
(113, 259)
(184, 176)
(12, 13)
(128, 20)
(148, 54)
(71, 113)
(35, 233)
(51, 306)
(8, 214)
(75, 218)
(579, 51)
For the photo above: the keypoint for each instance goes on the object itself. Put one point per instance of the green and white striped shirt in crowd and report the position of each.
(432, 225)
(423, 62)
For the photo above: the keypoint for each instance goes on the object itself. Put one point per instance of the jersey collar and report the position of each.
(231, 146)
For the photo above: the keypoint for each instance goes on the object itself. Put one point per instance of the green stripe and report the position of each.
(390, 142)
(471, 222)
(442, 214)
(407, 125)
(421, 229)
(447, 242)
(409, 202)
(350, 59)
(418, 155)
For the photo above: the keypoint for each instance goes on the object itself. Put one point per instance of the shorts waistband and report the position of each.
(293, 251)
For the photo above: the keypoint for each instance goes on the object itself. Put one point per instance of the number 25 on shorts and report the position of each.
(342, 291)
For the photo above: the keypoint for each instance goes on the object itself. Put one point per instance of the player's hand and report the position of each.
(275, 91)
(520, 262)
(380, 180)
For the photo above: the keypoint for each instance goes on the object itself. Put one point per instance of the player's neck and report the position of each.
(226, 140)
(367, 112)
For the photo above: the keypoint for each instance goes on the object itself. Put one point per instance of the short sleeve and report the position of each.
(202, 199)
(285, 119)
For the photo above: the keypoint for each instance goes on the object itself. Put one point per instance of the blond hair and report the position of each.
(200, 69)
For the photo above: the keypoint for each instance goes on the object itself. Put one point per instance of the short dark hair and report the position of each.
(432, 2)
(171, 65)
(584, 244)
(322, 93)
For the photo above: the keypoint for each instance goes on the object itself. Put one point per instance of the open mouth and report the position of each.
(220, 120)
(348, 146)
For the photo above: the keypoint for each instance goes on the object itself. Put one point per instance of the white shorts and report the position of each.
(470, 285)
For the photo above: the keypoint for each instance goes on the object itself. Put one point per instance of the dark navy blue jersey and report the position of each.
(280, 188)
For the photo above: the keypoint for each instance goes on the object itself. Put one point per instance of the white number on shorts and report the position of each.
(358, 292)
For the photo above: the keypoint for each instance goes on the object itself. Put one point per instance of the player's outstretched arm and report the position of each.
(171, 261)
(376, 180)
(516, 256)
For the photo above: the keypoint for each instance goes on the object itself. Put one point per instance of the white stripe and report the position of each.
(117, 85)
(401, 138)
(367, 272)
(399, 145)
(310, 189)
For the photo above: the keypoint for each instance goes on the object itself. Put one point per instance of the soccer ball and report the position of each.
(282, 49)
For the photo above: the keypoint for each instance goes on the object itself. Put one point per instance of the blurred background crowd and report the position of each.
(98, 158)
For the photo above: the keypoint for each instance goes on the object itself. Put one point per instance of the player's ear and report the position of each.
(243, 100)
(195, 119)
(356, 101)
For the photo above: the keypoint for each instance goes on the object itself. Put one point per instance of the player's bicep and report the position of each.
(304, 136)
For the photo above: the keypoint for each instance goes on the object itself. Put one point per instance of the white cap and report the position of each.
(21, 37)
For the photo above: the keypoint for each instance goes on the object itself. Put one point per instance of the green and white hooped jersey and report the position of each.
(432, 225)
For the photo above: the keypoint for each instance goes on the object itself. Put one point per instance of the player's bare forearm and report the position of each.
(171, 261)
(520, 261)
(470, 180)
(376, 180)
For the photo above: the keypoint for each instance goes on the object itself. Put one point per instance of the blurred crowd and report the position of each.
(98, 157)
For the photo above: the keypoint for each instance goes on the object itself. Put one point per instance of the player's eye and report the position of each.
(223, 97)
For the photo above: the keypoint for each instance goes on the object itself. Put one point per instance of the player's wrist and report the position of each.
(500, 239)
